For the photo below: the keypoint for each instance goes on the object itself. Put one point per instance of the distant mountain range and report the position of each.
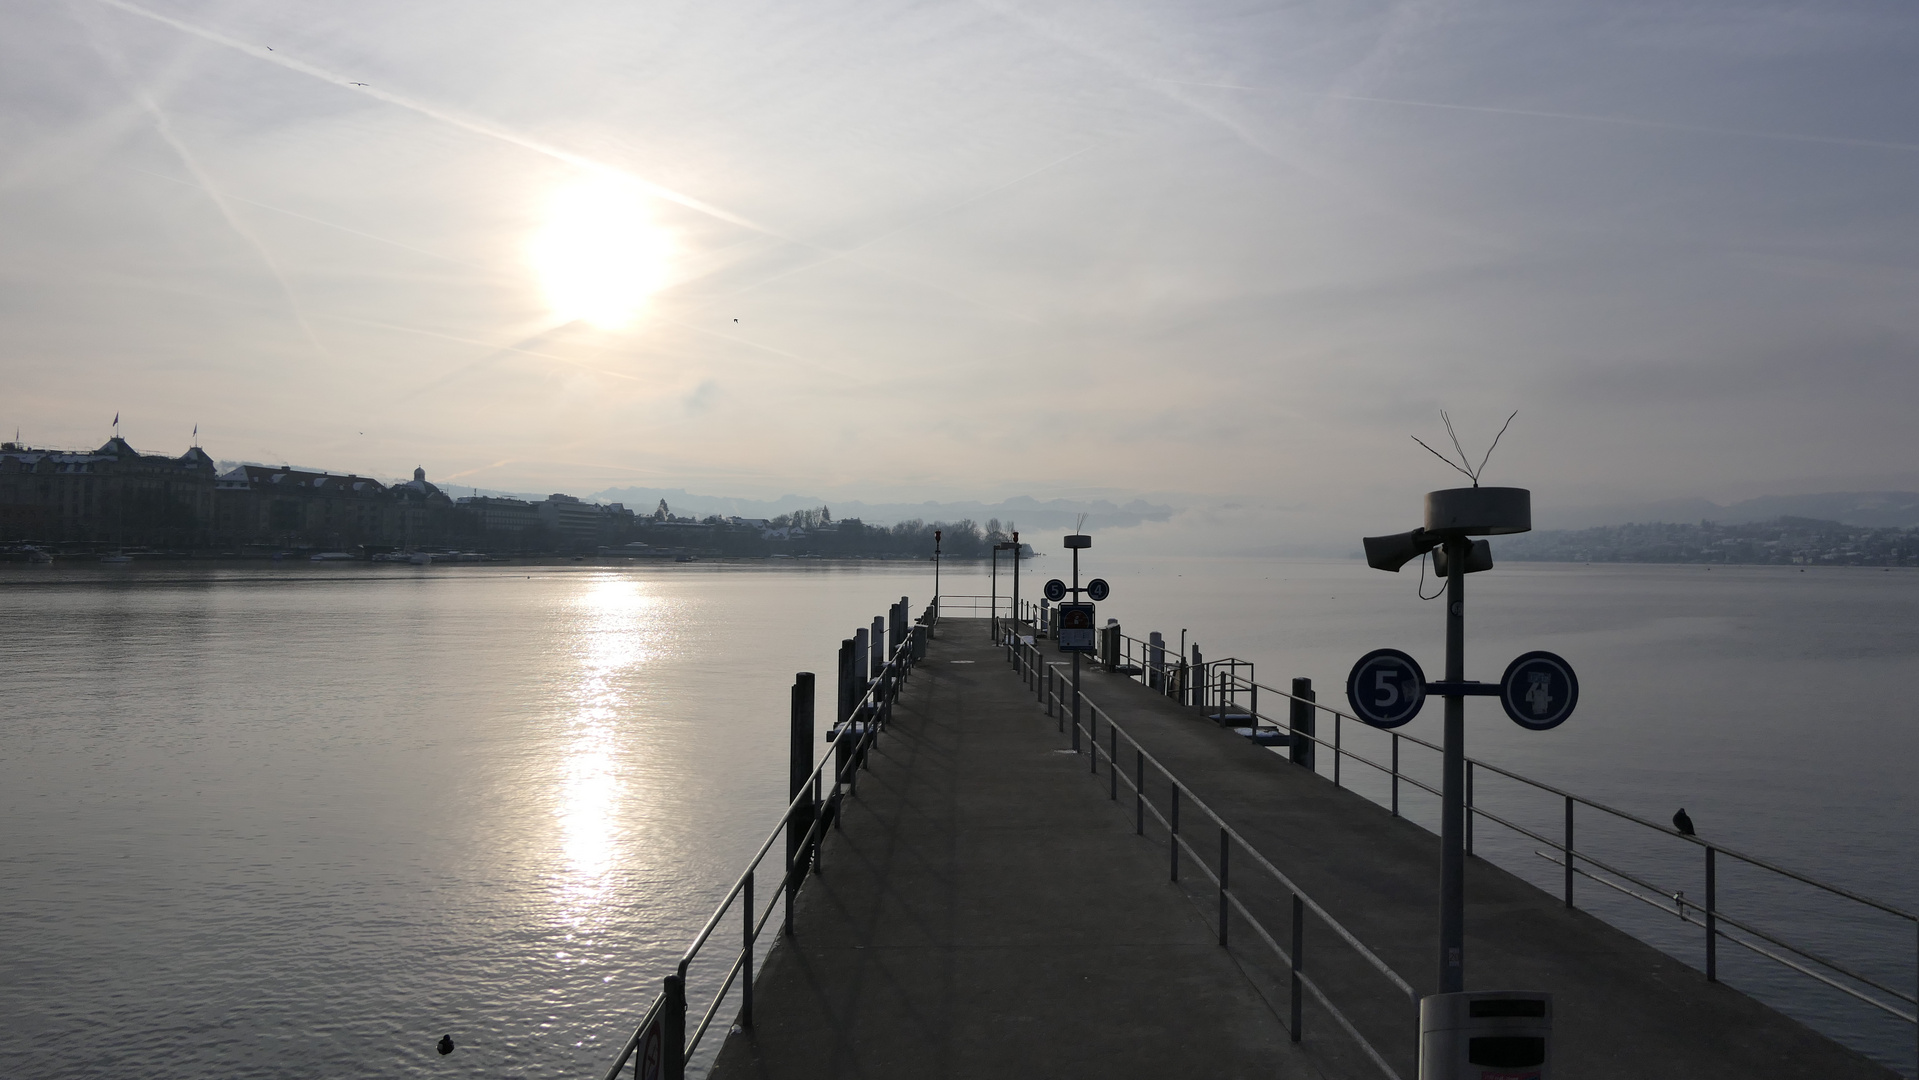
(1024, 510)
(1873, 509)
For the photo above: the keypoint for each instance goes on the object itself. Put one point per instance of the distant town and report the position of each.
(116, 503)
(1785, 541)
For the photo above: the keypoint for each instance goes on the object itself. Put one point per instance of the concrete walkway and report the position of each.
(987, 911)
(983, 915)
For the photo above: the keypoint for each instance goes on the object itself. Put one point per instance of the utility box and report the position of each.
(1486, 1035)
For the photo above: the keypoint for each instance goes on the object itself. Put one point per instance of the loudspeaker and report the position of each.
(1395, 551)
(1479, 557)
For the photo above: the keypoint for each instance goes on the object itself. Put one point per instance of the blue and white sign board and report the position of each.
(1097, 590)
(1386, 688)
(1055, 590)
(1539, 690)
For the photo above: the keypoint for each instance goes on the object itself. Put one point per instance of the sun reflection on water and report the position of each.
(614, 632)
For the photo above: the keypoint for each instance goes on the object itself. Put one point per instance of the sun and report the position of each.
(600, 255)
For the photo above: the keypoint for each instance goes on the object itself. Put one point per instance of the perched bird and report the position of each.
(1683, 823)
(446, 1045)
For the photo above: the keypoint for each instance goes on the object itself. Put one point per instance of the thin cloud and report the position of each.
(446, 116)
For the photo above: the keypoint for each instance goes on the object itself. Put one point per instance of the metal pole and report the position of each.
(1569, 851)
(1112, 762)
(1075, 703)
(799, 772)
(1298, 958)
(1225, 848)
(1139, 791)
(1339, 752)
(1712, 916)
(673, 1029)
(746, 948)
(1172, 817)
(1016, 583)
(1395, 774)
(1452, 862)
(992, 605)
(1470, 819)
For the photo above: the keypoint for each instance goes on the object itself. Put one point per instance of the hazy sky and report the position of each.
(942, 250)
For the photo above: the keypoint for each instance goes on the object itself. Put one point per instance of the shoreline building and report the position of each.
(115, 496)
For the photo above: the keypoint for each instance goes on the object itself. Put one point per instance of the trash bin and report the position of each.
(1486, 1035)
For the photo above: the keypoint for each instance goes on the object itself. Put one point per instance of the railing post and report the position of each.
(1339, 731)
(1225, 852)
(1299, 958)
(746, 949)
(1569, 851)
(1139, 791)
(1303, 719)
(1712, 916)
(673, 1029)
(1112, 762)
(799, 771)
(1172, 818)
(1469, 806)
(1396, 775)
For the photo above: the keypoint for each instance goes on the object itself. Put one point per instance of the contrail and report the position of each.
(497, 350)
(465, 123)
(833, 256)
(164, 127)
(230, 197)
(1588, 118)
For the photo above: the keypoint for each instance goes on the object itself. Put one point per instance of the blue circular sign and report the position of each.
(1055, 590)
(1386, 688)
(1097, 589)
(1539, 690)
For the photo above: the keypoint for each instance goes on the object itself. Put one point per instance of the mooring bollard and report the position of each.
(919, 642)
(1303, 720)
(879, 645)
(799, 779)
(1156, 661)
(844, 704)
(862, 662)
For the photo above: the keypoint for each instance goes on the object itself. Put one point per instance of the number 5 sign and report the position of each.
(1386, 688)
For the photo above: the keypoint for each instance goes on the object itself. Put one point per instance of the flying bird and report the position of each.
(1683, 823)
(446, 1045)
(359, 84)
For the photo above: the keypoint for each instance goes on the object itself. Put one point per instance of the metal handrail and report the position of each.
(1173, 680)
(1182, 793)
(872, 709)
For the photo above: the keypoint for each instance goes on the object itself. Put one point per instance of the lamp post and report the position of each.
(936, 581)
(993, 623)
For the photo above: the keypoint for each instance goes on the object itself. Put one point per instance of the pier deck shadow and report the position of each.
(981, 915)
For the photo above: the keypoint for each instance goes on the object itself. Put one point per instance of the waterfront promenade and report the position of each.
(988, 911)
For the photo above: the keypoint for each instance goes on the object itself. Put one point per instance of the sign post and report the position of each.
(1078, 632)
(1387, 689)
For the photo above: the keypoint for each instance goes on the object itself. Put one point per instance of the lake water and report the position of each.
(301, 821)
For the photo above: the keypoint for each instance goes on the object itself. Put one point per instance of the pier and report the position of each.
(1000, 890)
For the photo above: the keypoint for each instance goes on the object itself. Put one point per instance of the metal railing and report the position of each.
(662, 1030)
(973, 607)
(1216, 683)
(1053, 689)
